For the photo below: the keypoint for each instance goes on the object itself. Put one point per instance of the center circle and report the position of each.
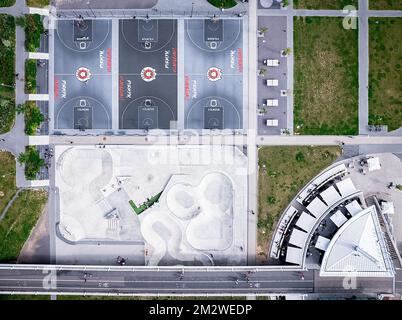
(148, 74)
(83, 74)
(214, 74)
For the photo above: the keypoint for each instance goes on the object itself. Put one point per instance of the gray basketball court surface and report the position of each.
(148, 74)
(213, 74)
(148, 81)
(82, 75)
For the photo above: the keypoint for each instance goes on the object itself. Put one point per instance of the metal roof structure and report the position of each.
(358, 248)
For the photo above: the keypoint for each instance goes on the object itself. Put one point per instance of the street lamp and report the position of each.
(192, 9)
(88, 4)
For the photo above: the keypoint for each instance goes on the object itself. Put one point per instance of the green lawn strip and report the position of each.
(37, 3)
(30, 76)
(385, 4)
(225, 4)
(324, 4)
(7, 179)
(32, 161)
(7, 3)
(385, 72)
(32, 115)
(7, 72)
(326, 77)
(145, 205)
(283, 172)
(19, 221)
(33, 26)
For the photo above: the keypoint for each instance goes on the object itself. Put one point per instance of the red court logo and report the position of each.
(214, 74)
(148, 74)
(83, 74)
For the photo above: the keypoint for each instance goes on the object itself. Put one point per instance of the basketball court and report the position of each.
(148, 74)
(128, 74)
(213, 74)
(82, 75)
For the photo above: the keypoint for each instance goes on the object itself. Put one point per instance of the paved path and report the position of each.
(363, 67)
(251, 143)
(225, 140)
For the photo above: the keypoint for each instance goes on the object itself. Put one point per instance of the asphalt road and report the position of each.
(171, 281)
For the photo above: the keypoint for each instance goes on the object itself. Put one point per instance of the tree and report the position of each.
(262, 29)
(287, 51)
(32, 161)
(262, 72)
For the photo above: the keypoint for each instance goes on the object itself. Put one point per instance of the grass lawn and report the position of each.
(19, 221)
(326, 77)
(7, 72)
(7, 178)
(385, 94)
(30, 76)
(37, 3)
(7, 3)
(226, 4)
(283, 172)
(324, 4)
(386, 4)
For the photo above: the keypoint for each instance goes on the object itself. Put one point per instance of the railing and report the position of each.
(121, 13)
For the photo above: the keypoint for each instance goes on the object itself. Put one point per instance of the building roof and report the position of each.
(298, 238)
(374, 164)
(322, 243)
(306, 222)
(317, 207)
(330, 196)
(346, 187)
(294, 255)
(358, 248)
(354, 207)
(338, 218)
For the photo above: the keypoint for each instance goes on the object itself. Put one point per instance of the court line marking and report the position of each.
(144, 97)
(223, 117)
(209, 97)
(92, 32)
(92, 117)
(84, 97)
(157, 117)
(157, 30)
(147, 51)
(211, 51)
(82, 51)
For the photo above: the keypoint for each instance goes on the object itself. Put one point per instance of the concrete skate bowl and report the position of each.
(86, 168)
(209, 207)
(165, 236)
(102, 4)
